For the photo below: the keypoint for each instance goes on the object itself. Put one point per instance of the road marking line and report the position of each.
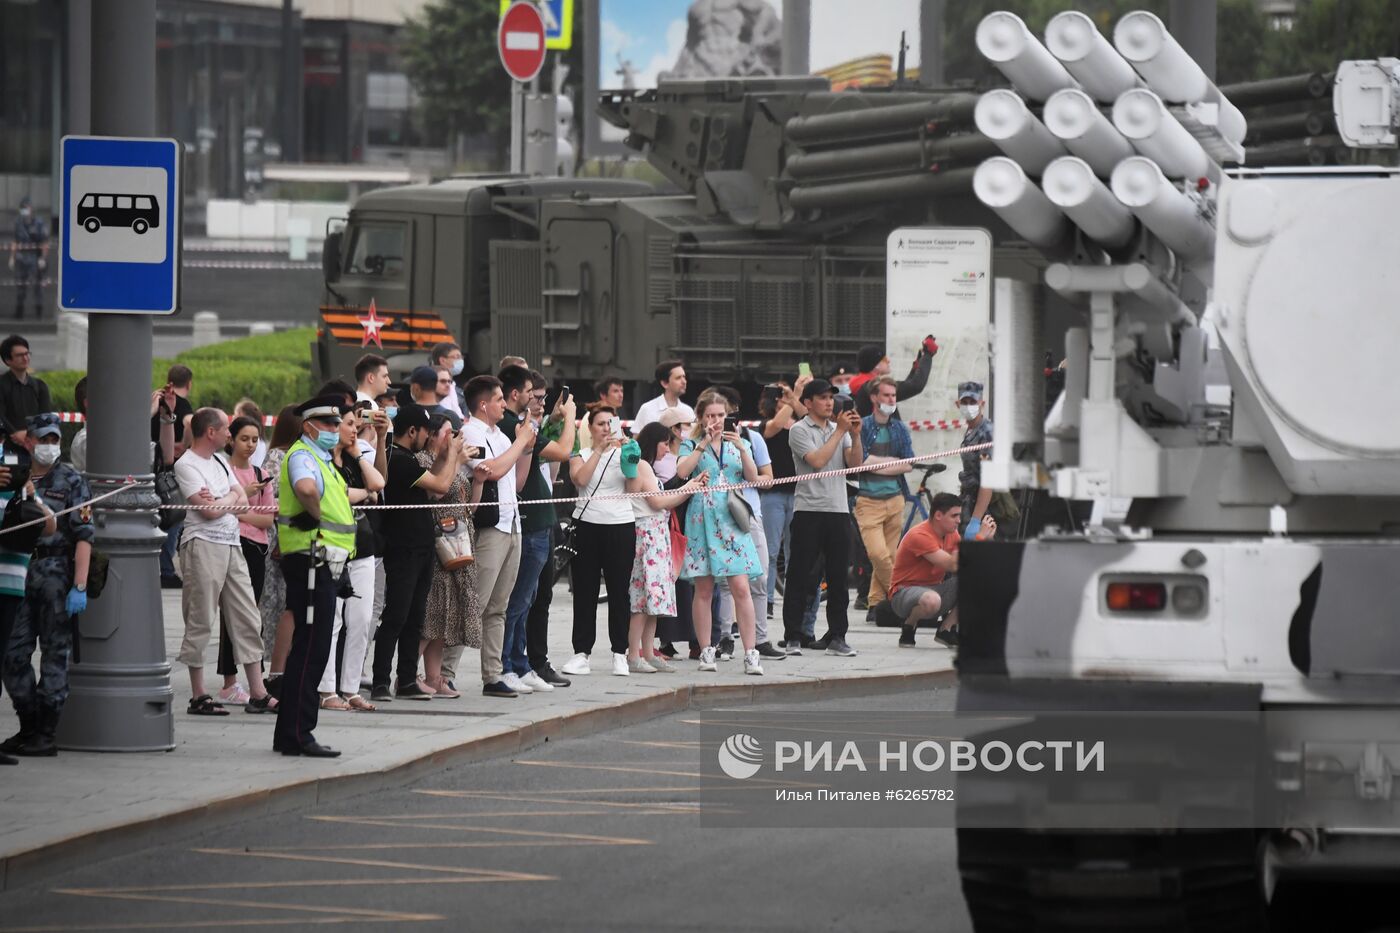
(475, 873)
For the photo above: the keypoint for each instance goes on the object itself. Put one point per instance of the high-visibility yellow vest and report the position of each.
(337, 527)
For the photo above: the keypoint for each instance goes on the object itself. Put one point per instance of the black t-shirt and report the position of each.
(364, 532)
(781, 453)
(182, 408)
(406, 528)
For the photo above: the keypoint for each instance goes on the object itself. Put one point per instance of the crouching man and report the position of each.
(924, 584)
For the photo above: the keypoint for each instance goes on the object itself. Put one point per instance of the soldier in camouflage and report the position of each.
(55, 591)
(975, 498)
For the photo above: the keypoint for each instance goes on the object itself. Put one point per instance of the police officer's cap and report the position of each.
(972, 390)
(44, 424)
(321, 408)
(409, 417)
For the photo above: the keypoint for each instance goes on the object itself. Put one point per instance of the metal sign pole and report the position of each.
(121, 696)
(517, 128)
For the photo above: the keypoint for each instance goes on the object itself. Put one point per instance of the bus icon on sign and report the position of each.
(139, 212)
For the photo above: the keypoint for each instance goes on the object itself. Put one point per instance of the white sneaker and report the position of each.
(514, 682)
(577, 665)
(707, 659)
(751, 663)
(536, 682)
(620, 667)
(235, 694)
(660, 665)
(640, 666)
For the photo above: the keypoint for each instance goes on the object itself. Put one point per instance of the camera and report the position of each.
(16, 460)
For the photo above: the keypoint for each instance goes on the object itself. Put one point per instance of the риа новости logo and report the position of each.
(740, 756)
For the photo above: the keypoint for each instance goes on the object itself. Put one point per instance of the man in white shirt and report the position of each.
(498, 543)
(671, 375)
(371, 378)
(212, 567)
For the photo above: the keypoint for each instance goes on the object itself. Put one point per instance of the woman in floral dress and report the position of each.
(652, 591)
(716, 547)
(454, 608)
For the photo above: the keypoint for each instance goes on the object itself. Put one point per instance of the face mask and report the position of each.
(457, 366)
(326, 440)
(887, 409)
(970, 412)
(25, 212)
(843, 389)
(46, 454)
(392, 413)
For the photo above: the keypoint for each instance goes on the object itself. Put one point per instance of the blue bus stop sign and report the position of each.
(120, 230)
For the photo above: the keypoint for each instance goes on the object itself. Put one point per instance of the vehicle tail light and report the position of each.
(1137, 597)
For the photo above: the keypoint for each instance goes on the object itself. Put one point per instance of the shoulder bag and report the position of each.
(488, 512)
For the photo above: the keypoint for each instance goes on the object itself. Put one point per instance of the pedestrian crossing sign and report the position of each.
(558, 22)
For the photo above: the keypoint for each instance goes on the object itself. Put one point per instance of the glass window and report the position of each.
(377, 250)
(124, 202)
(88, 200)
(104, 200)
(145, 203)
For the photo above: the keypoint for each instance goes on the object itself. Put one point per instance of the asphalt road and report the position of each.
(598, 833)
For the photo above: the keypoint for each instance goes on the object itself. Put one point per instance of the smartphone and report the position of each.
(731, 424)
(804, 369)
(774, 392)
(617, 428)
(555, 397)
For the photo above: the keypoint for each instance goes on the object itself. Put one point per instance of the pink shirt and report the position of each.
(265, 496)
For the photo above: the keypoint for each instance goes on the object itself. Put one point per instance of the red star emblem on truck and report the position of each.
(371, 324)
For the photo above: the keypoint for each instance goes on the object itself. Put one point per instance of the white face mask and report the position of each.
(969, 412)
(46, 454)
(887, 409)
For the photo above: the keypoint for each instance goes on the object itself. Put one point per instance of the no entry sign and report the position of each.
(520, 41)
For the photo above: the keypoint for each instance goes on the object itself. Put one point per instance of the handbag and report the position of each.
(679, 543)
(488, 510)
(168, 489)
(567, 549)
(453, 543)
(740, 510)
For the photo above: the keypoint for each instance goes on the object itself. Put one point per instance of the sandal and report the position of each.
(360, 704)
(266, 703)
(204, 705)
(334, 702)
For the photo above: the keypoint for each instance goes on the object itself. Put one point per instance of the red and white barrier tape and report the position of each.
(76, 417)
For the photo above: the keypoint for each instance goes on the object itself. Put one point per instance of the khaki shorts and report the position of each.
(904, 602)
(216, 580)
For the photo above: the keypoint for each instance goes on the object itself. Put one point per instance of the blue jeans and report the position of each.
(167, 551)
(777, 522)
(534, 551)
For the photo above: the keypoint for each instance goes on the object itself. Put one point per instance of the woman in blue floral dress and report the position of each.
(716, 546)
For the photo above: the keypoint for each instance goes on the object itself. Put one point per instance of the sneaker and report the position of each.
(661, 665)
(379, 693)
(620, 665)
(514, 682)
(726, 649)
(751, 663)
(860, 604)
(765, 650)
(873, 615)
(947, 637)
(707, 659)
(234, 694)
(426, 687)
(412, 692)
(498, 689)
(815, 644)
(576, 666)
(770, 612)
(839, 648)
(793, 647)
(535, 682)
(906, 636)
(640, 666)
(550, 676)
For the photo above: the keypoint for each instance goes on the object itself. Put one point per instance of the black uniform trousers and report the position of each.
(313, 620)
(820, 540)
(408, 575)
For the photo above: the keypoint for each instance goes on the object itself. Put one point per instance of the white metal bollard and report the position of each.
(73, 339)
(206, 328)
(298, 232)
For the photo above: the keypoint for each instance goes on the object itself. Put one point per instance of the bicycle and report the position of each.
(921, 499)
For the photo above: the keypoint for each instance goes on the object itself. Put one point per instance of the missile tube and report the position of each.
(1090, 59)
(1003, 117)
(909, 155)
(1001, 184)
(878, 190)
(1074, 119)
(1072, 186)
(1144, 41)
(1162, 208)
(1004, 40)
(1141, 116)
(881, 121)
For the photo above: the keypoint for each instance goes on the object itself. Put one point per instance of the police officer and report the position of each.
(54, 592)
(29, 255)
(975, 498)
(316, 535)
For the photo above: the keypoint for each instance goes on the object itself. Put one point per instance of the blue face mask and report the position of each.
(326, 440)
(391, 412)
(457, 366)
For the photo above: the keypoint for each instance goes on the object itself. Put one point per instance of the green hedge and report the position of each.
(273, 369)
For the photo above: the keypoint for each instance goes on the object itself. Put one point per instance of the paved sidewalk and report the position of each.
(80, 807)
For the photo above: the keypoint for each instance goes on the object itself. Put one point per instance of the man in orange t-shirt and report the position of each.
(924, 583)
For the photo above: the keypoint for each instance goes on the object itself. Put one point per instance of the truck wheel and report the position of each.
(139, 226)
(1198, 881)
(92, 225)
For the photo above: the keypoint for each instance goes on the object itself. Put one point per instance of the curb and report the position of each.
(35, 865)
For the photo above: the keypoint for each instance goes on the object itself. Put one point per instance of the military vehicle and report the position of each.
(1227, 409)
(770, 250)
